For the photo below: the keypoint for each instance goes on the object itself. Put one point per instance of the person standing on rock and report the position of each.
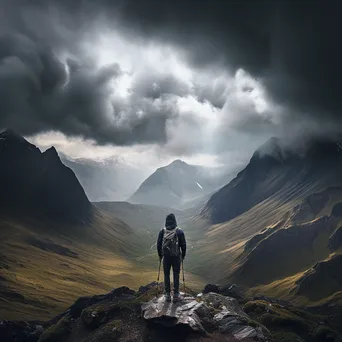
(171, 246)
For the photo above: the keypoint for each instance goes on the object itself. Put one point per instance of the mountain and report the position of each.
(277, 173)
(268, 228)
(177, 184)
(108, 180)
(33, 181)
(55, 245)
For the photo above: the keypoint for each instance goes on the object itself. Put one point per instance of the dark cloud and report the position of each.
(292, 47)
(38, 93)
(306, 70)
(154, 85)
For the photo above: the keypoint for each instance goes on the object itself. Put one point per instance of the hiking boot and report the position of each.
(177, 297)
(167, 297)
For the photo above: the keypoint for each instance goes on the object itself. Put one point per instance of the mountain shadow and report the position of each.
(39, 183)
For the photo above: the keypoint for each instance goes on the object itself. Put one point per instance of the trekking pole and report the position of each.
(183, 275)
(158, 278)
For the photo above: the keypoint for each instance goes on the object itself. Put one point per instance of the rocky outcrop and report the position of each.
(209, 313)
(230, 290)
(82, 303)
(230, 318)
(124, 315)
(188, 312)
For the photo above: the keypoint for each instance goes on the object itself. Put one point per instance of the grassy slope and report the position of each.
(225, 242)
(318, 250)
(286, 252)
(221, 250)
(285, 287)
(222, 244)
(38, 284)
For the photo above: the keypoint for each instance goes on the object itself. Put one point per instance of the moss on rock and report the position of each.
(57, 332)
(110, 331)
(289, 324)
(99, 314)
(287, 337)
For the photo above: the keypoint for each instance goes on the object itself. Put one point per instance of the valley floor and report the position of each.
(43, 273)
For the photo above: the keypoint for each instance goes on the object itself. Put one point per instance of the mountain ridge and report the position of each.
(38, 181)
(178, 184)
(267, 174)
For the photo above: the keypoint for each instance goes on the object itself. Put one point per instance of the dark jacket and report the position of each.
(170, 224)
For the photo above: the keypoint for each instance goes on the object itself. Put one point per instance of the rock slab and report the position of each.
(213, 312)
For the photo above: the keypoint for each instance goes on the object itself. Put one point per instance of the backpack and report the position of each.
(170, 242)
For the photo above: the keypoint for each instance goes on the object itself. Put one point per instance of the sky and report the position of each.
(152, 81)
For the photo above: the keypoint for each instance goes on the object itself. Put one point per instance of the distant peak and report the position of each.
(51, 153)
(178, 162)
(52, 150)
(272, 147)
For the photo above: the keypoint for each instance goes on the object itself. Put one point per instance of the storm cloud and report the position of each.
(191, 76)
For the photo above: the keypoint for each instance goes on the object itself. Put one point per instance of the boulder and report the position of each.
(232, 319)
(146, 288)
(211, 288)
(122, 292)
(233, 291)
(224, 304)
(211, 313)
(82, 303)
(230, 290)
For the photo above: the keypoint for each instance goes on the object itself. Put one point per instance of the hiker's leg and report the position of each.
(167, 268)
(176, 264)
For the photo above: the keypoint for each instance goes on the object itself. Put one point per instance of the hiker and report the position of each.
(171, 246)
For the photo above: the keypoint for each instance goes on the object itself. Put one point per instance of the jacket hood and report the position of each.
(170, 222)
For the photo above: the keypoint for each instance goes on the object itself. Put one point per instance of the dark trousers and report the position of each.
(175, 263)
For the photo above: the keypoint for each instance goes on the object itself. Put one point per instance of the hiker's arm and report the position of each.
(182, 243)
(160, 244)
